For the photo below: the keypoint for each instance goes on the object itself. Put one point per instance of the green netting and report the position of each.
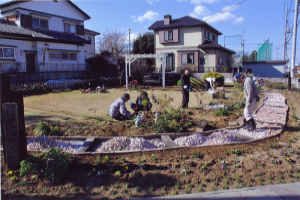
(265, 51)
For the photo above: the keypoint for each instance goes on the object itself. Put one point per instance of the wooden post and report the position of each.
(17, 96)
(4, 95)
(11, 132)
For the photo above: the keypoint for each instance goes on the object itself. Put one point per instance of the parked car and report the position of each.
(156, 79)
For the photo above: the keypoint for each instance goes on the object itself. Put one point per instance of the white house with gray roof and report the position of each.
(44, 36)
(190, 43)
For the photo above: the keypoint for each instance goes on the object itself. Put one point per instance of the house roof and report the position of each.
(10, 29)
(185, 21)
(88, 31)
(13, 2)
(209, 45)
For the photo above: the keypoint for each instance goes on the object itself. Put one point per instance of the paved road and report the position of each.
(289, 191)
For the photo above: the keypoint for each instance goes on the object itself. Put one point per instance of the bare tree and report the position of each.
(113, 42)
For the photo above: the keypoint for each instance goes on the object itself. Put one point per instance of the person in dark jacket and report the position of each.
(185, 87)
(142, 103)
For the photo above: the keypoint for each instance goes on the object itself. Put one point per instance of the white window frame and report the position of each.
(68, 24)
(39, 26)
(8, 57)
(61, 56)
(187, 56)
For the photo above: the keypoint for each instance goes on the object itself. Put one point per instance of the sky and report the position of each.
(255, 20)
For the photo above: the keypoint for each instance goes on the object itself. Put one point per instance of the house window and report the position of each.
(39, 23)
(213, 36)
(187, 58)
(70, 28)
(90, 39)
(65, 56)
(205, 34)
(220, 61)
(7, 52)
(168, 35)
(209, 35)
(73, 56)
(202, 61)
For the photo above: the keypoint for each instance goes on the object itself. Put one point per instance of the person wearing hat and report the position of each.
(210, 83)
(251, 96)
(142, 103)
(185, 88)
(117, 110)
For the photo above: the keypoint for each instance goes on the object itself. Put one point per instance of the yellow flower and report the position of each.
(205, 163)
(10, 173)
(118, 173)
(287, 158)
(284, 152)
(257, 163)
(13, 177)
(202, 167)
(126, 167)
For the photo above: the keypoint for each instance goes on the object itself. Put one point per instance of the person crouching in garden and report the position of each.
(185, 87)
(210, 83)
(142, 103)
(117, 110)
(251, 96)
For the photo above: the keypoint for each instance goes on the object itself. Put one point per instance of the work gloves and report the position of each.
(185, 86)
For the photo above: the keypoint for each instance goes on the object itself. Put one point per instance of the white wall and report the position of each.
(90, 48)
(21, 46)
(60, 8)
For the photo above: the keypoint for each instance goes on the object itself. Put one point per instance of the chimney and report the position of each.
(167, 19)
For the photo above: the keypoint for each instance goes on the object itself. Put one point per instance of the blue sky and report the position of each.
(255, 19)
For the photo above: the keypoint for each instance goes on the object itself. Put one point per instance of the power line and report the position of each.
(224, 11)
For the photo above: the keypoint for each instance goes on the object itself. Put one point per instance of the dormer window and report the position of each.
(39, 23)
(70, 28)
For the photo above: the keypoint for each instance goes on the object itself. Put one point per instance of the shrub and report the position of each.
(42, 129)
(219, 78)
(55, 131)
(196, 83)
(221, 112)
(52, 164)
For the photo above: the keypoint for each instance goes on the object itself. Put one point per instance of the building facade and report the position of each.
(190, 43)
(267, 69)
(43, 36)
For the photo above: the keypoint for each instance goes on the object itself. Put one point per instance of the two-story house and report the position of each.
(189, 43)
(44, 36)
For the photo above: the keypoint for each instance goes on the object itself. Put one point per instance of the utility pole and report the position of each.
(129, 42)
(266, 40)
(294, 39)
(277, 53)
(284, 42)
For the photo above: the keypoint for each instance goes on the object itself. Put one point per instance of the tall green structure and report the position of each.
(265, 51)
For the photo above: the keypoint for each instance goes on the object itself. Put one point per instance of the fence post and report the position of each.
(11, 132)
(17, 96)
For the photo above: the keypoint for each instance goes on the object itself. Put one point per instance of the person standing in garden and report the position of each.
(251, 96)
(185, 87)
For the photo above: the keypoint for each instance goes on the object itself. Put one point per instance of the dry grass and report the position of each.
(75, 105)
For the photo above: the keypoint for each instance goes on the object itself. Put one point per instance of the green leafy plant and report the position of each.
(112, 192)
(42, 129)
(236, 151)
(98, 160)
(106, 159)
(122, 160)
(153, 157)
(221, 112)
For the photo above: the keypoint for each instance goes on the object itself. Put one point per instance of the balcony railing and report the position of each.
(8, 67)
(14, 67)
(63, 67)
